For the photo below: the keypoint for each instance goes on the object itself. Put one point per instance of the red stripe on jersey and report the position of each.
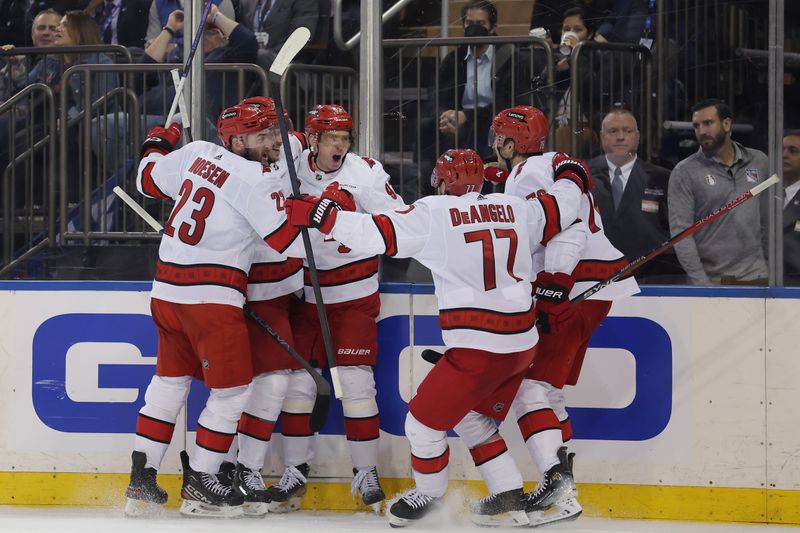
(486, 452)
(302, 138)
(566, 430)
(214, 441)
(190, 275)
(274, 272)
(296, 425)
(432, 465)
(154, 429)
(386, 229)
(281, 238)
(552, 217)
(490, 321)
(148, 183)
(255, 427)
(348, 273)
(362, 428)
(537, 421)
(597, 269)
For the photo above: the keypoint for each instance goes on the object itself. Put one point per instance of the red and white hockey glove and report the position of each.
(162, 140)
(573, 169)
(312, 212)
(494, 174)
(553, 308)
(342, 197)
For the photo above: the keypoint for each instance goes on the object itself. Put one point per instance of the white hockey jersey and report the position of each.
(346, 274)
(583, 249)
(273, 274)
(223, 203)
(479, 251)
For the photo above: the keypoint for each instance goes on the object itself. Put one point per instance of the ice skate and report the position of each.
(145, 497)
(412, 507)
(367, 484)
(555, 499)
(501, 509)
(285, 495)
(227, 472)
(251, 485)
(204, 495)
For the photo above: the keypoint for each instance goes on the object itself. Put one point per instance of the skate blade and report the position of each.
(435, 519)
(255, 509)
(194, 508)
(378, 507)
(143, 509)
(564, 511)
(508, 519)
(289, 506)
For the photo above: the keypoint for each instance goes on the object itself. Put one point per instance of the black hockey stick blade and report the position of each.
(319, 414)
(431, 356)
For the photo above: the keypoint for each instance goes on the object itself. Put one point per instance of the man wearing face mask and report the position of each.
(483, 77)
(732, 250)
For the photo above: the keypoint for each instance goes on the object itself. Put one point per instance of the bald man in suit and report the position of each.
(631, 195)
(791, 208)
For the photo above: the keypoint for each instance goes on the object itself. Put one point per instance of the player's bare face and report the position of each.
(274, 145)
(709, 130)
(332, 146)
(252, 146)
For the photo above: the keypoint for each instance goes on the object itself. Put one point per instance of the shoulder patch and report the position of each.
(371, 162)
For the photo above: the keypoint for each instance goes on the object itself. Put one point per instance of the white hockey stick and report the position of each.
(296, 41)
(319, 413)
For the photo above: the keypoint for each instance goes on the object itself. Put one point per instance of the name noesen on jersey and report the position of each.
(482, 213)
(209, 171)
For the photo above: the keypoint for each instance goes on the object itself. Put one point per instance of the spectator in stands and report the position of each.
(273, 21)
(13, 76)
(161, 9)
(602, 14)
(465, 115)
(76, 29)
(121, 21)
(60, 6)
(631, 195)
(730, 250)
(224, 41)
(791, 207)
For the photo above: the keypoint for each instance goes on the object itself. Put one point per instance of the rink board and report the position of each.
(686, 407)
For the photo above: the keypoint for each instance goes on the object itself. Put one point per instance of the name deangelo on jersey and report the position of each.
(482, 213)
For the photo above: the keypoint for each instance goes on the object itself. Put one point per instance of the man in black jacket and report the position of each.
(631, 195)
(791, 208)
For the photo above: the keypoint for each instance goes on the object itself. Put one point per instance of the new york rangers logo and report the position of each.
(752, 175)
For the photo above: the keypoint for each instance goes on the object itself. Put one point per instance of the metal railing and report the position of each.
(602, 76)
(353, 41)
(29, 227)
(418, 89)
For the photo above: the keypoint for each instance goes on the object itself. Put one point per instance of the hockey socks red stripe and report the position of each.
(255, 427)
(154, 429)
(214, 441)
(432, 465)
(486, 452)
(537, 421)
(296, 425)
(566, 430)
(362, 429)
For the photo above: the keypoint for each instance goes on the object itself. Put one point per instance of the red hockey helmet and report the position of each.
(526, 125)
(241, 120)
(328, 117)
(268, 105)
(461, 171)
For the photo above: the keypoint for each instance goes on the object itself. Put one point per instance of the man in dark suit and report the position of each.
(631, 195)
(273, 21)
(121, 21)
(791, 208)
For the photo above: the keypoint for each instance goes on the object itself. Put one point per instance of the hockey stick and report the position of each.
(672, 241)
(319, 413)
(185, 71)
(288, 51)
(432, 356)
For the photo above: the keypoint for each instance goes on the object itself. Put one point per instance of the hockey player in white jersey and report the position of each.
(572, 262)
(223, 203)
(479, 251)
(349, 284)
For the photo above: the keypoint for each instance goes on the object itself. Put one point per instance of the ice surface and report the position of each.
(87, 520)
